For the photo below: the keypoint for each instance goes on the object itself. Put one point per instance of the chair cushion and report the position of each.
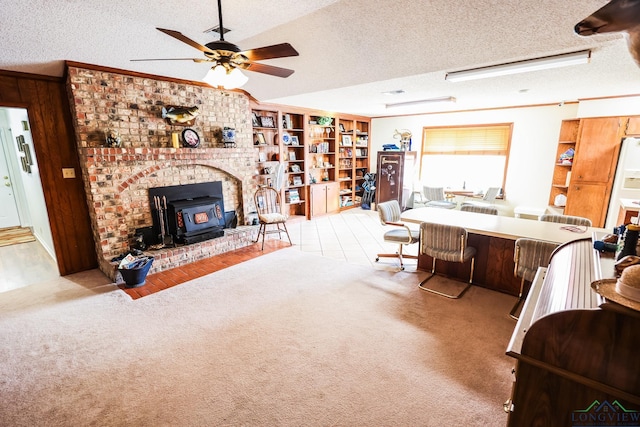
(270, 218)
(399, 235)
(451, 255)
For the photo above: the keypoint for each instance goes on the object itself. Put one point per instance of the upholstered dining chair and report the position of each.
(436, 199)
(270, 216)
(400, 234)
(446, 243)
(489, 210)
(566, 219)
(529, 254)
(487, 200)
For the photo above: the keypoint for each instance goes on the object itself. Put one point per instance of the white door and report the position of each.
(8, 209)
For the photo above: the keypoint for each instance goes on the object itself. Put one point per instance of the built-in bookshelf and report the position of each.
(318, 149)
(279, 138)
(353, 159)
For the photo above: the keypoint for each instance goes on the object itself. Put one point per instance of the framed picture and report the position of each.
(295, 168)
(294, 196)
(261, 139)
(342, 128)
(20, 142)
(297, 180)
(267, 122)
(286, 121)
(295, 140)
(255, 120)
(292, 155)
(262, 156)
(27, 154)
(346, 139)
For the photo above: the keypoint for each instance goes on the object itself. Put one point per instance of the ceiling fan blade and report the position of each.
(175, 59)
(266, 69)
(281, 50)
(178, 35)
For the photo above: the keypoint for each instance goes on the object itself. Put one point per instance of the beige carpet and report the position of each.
(15, 235)
(287, 339)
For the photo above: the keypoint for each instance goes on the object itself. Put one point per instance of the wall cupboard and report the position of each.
(587, 181)
(314, 149)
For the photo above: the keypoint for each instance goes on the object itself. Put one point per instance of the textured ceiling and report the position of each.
(350, 50)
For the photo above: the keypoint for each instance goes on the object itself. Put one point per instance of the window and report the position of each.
(473, 158)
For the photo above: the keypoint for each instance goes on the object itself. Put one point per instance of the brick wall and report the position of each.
(117, 179)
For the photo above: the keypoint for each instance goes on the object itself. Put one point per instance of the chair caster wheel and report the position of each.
(377, 259)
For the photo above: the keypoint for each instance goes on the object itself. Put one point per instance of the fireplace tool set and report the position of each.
(165, 238)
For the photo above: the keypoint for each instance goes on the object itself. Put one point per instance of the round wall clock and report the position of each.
(190, 138)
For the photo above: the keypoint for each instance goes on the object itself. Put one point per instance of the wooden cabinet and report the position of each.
(353, 159)
(586, 200)
(632, 127)
(597, 150)
(587, 181)
(324, 197)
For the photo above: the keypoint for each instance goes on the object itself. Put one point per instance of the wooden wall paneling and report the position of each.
(54, 144)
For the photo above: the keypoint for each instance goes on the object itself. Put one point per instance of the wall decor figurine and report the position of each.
(184, 116)
(615, 16)
(229, 137)
(112, 138)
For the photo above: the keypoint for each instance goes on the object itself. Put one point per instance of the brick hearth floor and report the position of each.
(166, 279)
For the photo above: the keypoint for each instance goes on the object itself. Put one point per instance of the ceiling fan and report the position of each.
(227, 58)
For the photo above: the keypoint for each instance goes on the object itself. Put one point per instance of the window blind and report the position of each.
(484, 140)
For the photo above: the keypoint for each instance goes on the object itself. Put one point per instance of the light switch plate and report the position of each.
(68, 173)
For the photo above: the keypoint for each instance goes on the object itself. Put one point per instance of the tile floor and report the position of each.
(353, 236)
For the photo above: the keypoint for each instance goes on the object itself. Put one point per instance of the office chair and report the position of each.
(436, 198)
(446, 243)
(269, 209)
(389, 213)
(489, 210)
(529, 254)
(566, 219)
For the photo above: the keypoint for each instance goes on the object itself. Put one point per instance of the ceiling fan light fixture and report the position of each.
(230, 78)
(536, 64)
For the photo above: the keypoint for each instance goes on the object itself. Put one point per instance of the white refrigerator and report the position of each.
(626, 184)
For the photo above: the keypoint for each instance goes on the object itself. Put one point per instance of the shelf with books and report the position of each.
(353, 158)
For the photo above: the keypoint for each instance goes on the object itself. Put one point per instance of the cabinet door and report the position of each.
(588, 201)
(318, 199)
(633, 126)
(333, 197)
(597, 150)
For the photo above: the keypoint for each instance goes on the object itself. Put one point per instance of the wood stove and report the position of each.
(187, 213)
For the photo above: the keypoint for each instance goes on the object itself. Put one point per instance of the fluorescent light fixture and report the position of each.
(228, 78)
(393, 92)
(573, 58)
(421, 102)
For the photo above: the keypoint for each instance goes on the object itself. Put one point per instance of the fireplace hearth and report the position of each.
(187, 214)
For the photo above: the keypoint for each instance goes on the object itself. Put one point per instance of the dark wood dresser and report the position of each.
(577, 355)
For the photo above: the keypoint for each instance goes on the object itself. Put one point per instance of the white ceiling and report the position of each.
(350, 50)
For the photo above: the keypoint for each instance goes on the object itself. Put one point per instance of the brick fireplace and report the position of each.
(117, 179)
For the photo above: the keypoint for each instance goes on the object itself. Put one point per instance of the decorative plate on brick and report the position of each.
(190, 138)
